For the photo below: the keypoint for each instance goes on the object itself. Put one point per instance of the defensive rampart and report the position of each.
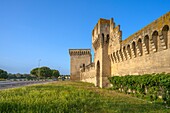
(146, 51)
(88, 73)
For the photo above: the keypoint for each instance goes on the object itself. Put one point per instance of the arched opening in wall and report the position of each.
(117, 54)
(107, 38)
(115, 57)
(102, 38)
(140, 46)
(112, 58)
(146, 41)
(83, 67)
(155, 39)
(129, 51)
(134, 48)
(98, 74)
(165, 34)
(121, 55)
(124, 51)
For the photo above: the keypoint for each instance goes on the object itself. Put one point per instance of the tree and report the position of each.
(19, 75)
(45, 72)
(42, 72)
(3, 74)
(11, 76)
(35, 72)
(55, 73)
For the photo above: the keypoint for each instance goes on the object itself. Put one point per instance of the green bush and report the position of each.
(3, 74)
(144, 86)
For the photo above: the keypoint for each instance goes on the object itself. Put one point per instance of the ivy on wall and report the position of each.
(155, 87)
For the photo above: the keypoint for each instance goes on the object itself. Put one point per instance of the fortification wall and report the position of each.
(151, 63)
(88, 74)
(146, 51)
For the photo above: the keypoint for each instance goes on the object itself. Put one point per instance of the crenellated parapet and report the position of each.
(152, 38)
(73, 52)
(101, 31)
(101, 27)
(115, 39)
(88, 67)
(156, 25)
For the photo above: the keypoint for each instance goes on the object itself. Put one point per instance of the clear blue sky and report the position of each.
(45, 29)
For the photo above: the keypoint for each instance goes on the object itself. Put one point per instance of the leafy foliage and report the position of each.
(55, 73)
(155, 86)
(35, 72)
(3, 74)
(45, 72)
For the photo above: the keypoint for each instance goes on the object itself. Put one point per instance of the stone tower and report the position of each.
(79, 58)
(100, 41)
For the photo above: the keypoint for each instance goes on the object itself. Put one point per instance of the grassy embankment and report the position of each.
(74, 97)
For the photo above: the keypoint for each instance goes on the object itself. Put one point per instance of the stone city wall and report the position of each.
(88, 74)
(146, 51)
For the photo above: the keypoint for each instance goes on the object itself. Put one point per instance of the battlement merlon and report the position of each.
(116, 31)
(102, 27)
(158, 23)
(80, 52)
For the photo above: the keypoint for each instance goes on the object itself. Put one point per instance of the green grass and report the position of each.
(71, 97)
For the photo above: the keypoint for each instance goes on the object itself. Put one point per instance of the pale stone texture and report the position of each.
(78, 58)
(146, 51)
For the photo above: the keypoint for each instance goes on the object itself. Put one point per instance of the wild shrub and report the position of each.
(154, 86)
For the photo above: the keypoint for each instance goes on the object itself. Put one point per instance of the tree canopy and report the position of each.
(45, 72)
(55, 73)
(3, 74)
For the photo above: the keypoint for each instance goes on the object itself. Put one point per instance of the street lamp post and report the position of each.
(39, 67)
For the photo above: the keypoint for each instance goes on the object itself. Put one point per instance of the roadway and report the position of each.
(12, 84)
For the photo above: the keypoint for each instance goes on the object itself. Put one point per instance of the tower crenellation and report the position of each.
(101, 32)
(79, 52)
